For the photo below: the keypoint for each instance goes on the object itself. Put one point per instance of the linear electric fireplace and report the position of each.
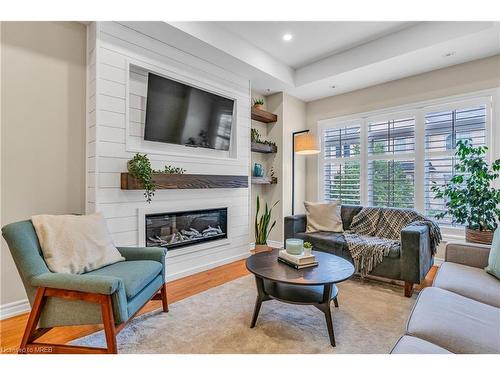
(177, 229)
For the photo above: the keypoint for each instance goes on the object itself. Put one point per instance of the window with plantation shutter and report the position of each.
(342, 182)
(392, 136)
(392, 159)
(341, 148)
(442, 131)
(391, 183)
(391, 162)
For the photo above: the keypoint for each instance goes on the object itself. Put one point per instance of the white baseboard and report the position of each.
(275, 244)
(11, 309)
(205, 267)
(438, 261)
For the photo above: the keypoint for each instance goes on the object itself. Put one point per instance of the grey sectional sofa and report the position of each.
(410, 263)
(460, 313)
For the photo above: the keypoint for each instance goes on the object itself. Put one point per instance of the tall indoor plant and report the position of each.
(262, 228)
(469, 195)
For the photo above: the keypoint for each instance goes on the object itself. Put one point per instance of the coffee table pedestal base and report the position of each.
(319, 296)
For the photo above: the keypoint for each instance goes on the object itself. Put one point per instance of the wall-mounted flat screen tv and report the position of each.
(185, 115)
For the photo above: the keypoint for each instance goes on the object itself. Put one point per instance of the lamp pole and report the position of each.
(293, 166)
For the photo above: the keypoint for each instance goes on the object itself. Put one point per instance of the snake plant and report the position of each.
(262, 228)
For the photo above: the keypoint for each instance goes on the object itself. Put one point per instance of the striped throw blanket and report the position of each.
(376, 231)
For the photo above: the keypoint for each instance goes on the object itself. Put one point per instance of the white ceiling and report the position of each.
(348, 55)
(311, 41)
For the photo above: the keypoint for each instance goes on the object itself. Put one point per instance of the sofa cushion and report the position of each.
(470, 282)
(456, 323)
(347, 213)
(75, 243)
(335, 243)
(414, 345)
(324, 240)
(135, 274)
(323, 216)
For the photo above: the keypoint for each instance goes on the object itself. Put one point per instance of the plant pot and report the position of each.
(258, 106)
(479, 236)
(261, 248)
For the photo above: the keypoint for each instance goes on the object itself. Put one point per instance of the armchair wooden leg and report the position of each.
(164, 300)
(408, 289)
(109, 324)
(33, 319)
(31, 332)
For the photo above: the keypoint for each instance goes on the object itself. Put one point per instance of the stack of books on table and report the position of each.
(297, 261)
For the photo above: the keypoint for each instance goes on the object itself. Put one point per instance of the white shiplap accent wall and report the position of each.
(119, 59)
(91, 133)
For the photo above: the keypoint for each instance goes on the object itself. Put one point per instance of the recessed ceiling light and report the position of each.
(449, 54)
(287, 37)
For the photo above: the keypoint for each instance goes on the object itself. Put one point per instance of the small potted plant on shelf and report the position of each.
(255, 136)
(258, 103)
(274, 179)
(469, 196)
(262, 227)
(260, 145)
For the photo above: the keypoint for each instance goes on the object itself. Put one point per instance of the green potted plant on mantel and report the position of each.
(140, 168)
(262, 228)
(470, 198)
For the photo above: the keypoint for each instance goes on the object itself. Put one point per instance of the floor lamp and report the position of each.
(303, 143)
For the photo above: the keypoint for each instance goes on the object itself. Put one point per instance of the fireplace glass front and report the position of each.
(177, 229)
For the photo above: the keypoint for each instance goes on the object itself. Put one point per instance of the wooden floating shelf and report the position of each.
(186, 181)
(263, 116)
(264, 148)
(264, 180)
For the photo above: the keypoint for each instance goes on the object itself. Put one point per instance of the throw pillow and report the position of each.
(323, 217)
(75, 244)
(493, 267)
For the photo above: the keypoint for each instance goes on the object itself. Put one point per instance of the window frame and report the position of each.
(401, 156)
(490, 98)
(324, 160)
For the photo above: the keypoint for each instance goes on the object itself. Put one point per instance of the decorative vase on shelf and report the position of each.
(258, 170)
(258, 106)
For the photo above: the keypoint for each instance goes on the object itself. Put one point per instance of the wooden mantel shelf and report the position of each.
(263, 116)
(186, 181)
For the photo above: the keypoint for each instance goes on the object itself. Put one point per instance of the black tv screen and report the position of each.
(184, 115)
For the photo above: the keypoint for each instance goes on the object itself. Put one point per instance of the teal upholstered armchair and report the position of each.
(111, 295)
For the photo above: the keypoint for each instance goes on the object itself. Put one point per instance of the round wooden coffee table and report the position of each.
(310, 286)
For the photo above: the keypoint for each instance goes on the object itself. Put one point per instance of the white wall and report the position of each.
(117, 99)
(275, 104)
(43, 131)
(294, 115)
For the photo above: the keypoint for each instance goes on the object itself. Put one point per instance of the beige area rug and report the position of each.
(370, 319)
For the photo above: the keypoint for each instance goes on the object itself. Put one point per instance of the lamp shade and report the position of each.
(306, 144)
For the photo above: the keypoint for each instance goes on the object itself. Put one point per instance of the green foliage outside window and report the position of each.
(391, 185)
